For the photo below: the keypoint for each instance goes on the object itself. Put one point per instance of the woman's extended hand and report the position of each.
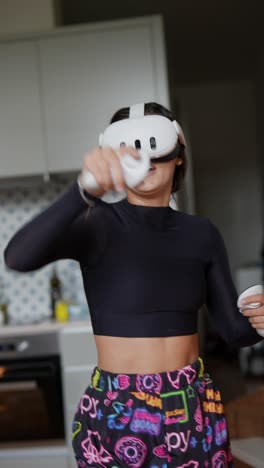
(104, 164)
(255, 316)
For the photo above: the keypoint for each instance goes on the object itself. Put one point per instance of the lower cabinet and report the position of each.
(69, 415)
(39, 457)
(79, 356)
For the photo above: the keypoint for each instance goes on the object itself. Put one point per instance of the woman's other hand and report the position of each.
(255, 316)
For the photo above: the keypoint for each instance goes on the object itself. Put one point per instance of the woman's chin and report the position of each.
(146, 187)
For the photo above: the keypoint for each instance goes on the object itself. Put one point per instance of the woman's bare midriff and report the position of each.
(146, 355)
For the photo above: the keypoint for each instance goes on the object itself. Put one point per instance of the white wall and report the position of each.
(222, 126)
(21, 16)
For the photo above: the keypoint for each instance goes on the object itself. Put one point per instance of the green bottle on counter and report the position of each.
(3, 305)
(55, 291)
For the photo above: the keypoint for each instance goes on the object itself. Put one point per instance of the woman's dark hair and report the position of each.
(152, 108)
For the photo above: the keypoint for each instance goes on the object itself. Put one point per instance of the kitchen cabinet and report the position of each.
(21, 133)
(40, 457)
(60, 89)
(88, 75)
(78, 356)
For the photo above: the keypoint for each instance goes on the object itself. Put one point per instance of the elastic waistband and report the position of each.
(148, 383)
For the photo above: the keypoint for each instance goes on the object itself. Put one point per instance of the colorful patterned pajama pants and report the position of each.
(166, 420)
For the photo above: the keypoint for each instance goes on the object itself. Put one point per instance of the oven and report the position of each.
(31, 401)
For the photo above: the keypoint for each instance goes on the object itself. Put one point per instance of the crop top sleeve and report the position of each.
(63, 230)
(222, 296)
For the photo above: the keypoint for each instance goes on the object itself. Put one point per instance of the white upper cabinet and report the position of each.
(21, 134)
(58, 91)
(88, 75)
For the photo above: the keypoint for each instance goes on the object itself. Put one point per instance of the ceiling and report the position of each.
(206, 40)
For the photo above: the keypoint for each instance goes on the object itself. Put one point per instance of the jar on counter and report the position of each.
(61, 311)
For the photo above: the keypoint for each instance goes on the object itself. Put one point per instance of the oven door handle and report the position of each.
(18, 386)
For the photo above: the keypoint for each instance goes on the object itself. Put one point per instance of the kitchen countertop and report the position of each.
(47, 326)
(250, 451)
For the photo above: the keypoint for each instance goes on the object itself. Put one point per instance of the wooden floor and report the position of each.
(239, 464)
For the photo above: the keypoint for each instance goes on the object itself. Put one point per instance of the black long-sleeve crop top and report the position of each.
(146, 270)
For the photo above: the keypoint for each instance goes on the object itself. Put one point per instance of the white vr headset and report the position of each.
(156, 138)
(152, 134)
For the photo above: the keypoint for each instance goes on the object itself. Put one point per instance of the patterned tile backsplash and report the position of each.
(28, 293)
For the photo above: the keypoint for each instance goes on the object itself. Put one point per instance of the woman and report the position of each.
(147, 269)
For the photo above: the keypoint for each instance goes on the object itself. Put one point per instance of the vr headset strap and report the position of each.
(137, 110)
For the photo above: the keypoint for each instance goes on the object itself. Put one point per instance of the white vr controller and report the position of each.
(153, 135)
(134, 171)
(257, 289)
